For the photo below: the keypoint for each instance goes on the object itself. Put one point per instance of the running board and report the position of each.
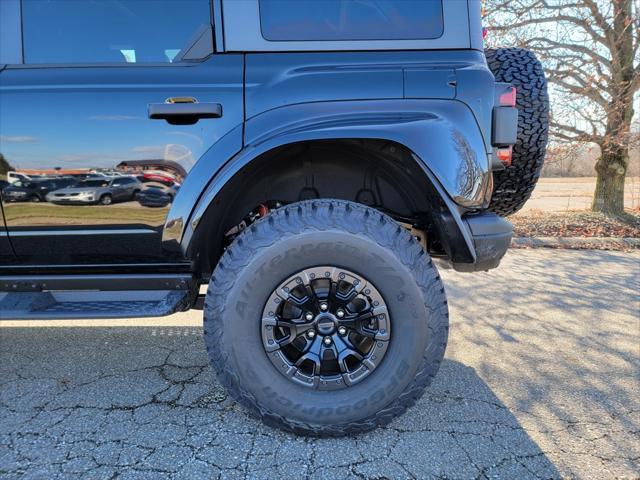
(57, 305)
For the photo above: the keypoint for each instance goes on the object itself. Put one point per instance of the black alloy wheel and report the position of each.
(326, 328)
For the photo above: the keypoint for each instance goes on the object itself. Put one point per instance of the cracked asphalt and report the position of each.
(541, 380)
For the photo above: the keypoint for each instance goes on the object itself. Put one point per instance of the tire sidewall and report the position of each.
(268, 267)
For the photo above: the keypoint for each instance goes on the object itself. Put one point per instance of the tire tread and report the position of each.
(321, 215)
(513, 186)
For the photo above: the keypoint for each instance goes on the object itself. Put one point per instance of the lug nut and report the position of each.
(327, 340)
(340, 313)
(323, 306)
(311, 333)
(309, 316)
(342, 331)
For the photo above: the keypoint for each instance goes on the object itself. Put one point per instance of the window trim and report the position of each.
(12, 32)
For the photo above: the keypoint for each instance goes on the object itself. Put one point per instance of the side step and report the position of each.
(91, 304)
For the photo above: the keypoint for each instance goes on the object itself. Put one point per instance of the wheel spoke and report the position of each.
(295, 329)
(305, 302)
(356, 322)
(343, 322)
(313, 355)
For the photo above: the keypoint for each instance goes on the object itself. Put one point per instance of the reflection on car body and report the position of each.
(156, 194)
(103, 191)
(34, 190)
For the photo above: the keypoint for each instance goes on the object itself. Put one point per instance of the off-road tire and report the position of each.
(512, 186)
(355, 237)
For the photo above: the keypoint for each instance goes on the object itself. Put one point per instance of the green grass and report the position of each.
(47, 214)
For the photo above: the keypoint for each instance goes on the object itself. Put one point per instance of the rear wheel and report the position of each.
(35, 199)
(326, 317)
(513, 185)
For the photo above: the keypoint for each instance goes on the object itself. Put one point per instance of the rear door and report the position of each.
(117, 190)
(112, 87)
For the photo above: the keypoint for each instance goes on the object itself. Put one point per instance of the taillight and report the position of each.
(508, 98)
(505, 155)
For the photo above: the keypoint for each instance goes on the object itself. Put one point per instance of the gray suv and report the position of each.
(97, 191)
(332, 155)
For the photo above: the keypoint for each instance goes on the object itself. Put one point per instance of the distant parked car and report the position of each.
(13, 177)
(98, 191)
(88, 176)
(34, 190)
(157, 194)
(160, 177)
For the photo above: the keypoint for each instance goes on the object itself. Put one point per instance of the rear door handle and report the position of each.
(184, 112)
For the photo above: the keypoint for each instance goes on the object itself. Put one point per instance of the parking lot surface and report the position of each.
(541, 380)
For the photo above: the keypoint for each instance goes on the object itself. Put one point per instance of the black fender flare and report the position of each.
(443, 137)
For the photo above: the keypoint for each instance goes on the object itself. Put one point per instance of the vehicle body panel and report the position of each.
(432, 96)
(278, 79)
(442, 134)
(96, 117)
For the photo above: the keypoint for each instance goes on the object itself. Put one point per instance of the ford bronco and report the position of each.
(324, 153)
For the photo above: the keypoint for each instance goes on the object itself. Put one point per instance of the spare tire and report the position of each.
(512, 186)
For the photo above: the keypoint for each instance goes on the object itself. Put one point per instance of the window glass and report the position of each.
(93, 183)
(107, 31)
(306, 20)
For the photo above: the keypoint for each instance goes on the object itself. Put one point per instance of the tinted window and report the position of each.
(351, 19)
(93, 183)
(99, 31)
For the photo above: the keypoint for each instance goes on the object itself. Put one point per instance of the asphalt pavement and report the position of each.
(541, 380)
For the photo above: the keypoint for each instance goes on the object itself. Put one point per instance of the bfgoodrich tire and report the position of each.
(336, 240)
(512, 186)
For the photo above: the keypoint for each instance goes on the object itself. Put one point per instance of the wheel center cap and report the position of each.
(326, 323)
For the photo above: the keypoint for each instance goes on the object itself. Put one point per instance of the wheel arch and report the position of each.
(375, 172)
(439, 142)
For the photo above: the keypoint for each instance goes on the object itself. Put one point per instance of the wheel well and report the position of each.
(378, 173)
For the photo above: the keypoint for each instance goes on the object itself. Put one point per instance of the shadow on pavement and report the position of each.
(144, 403)
(557, 336)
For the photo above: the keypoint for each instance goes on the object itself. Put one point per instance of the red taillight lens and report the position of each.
(505, 155)
(508, 98)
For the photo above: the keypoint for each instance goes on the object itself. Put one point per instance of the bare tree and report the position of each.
(4, 165)
(590, 52)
